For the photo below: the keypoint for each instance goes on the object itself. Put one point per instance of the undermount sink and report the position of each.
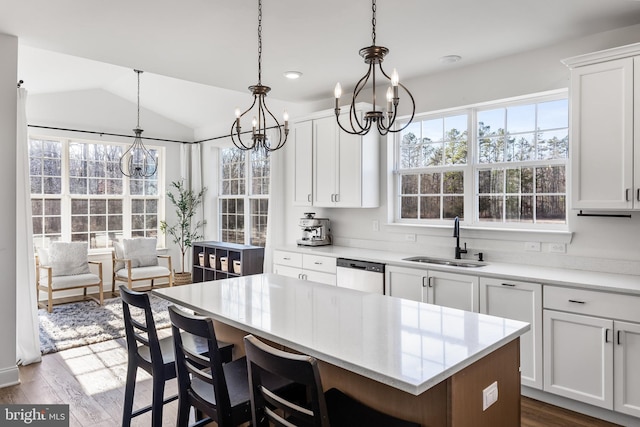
(450, 262)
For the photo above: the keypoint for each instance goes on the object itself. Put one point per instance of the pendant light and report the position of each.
(384, 121)
(137, 161)
(259, 139)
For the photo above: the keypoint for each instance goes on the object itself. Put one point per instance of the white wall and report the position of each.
(8, 104)
(605, 244)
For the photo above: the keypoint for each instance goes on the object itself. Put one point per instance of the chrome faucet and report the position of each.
(456, 234)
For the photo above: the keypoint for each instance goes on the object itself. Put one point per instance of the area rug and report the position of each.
(82, 323)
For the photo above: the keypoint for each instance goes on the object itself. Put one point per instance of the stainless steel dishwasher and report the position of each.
(360, 275)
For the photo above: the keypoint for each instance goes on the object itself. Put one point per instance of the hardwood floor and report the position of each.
(91, 380)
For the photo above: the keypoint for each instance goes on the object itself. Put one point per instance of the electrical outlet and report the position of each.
(557, 248)
(375, 225)
(489, 395)
(410, 237)
(532, 246)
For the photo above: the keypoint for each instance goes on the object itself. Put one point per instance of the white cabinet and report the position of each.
(434, 287)
(578, 357)
(305, 266)
(333, 168)
(302, 139)
(518, 301)
(591, 347)
(605, 131)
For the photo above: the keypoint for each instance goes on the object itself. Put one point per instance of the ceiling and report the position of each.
(202, 54)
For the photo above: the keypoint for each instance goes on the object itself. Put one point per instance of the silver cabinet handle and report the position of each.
(308, 197)
(317, 263)
(626, 194)
(286, 258)
(337, 198)
(511, 285)
(424, 284)
(575, 301)
(332, 197)
(638, 194)
(606, 335)
(429, 283)
(618, 338)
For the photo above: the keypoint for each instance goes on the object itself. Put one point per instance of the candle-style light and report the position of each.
(259, 138)
(374, 56)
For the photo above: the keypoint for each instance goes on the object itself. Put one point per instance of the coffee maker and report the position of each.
(315, 231)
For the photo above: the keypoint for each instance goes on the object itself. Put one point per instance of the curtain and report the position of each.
(277, 203)
(27, 326)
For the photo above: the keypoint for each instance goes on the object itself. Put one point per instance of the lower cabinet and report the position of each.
(434, 287)
(589, 355)
(518, 301)
(316, 268)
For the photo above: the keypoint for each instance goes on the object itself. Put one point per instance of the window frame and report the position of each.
(471, 169)
(66, 198)
(247, 197)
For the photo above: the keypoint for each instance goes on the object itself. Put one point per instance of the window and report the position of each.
(79, 194)
(503, 163)
(244, 196)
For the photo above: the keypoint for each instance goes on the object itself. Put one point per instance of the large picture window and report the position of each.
(499, 163)
(79, 194)
(244, 196)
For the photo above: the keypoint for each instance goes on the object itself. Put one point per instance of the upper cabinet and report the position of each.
(333, 168)
(605, 131)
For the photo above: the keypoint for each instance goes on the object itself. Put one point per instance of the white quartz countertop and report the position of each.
(405, 344)
(624, 283)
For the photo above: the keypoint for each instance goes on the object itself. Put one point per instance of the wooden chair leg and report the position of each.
(129, 390)
(50, 300)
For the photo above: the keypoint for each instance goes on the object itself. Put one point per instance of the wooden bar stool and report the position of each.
(332, 408)
(219, 391)
(156, 356)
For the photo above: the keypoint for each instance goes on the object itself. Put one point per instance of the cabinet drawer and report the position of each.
(291, 259)
(319, 263)
(593, 303)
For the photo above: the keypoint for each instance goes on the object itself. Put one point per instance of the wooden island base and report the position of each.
(455, 402)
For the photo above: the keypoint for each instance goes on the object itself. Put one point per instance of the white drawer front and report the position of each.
(326, 264)
(291, 259)
(593, 303)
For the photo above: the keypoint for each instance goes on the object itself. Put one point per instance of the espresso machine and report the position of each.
(315, 231)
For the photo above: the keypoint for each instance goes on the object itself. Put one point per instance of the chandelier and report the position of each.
(384, 121)
(137, 161)
(259, 138)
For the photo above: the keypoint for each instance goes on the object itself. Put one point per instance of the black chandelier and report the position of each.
(384, 121)
(259, 139)
(137, 161)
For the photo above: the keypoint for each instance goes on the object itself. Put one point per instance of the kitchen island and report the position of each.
(417, 361)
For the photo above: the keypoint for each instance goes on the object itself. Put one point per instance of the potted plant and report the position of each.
(185, 231)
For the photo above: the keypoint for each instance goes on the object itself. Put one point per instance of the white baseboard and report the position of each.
(9, 376)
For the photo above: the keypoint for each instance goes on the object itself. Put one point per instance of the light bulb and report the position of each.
(394, 78)
(338, 90)
(237, 113)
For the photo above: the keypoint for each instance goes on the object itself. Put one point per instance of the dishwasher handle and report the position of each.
(360, 265)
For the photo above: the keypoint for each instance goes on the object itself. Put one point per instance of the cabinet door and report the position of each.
(602, 135)
(320, 277)
(627, 368)
(453, 290)
(518, 301)
(349, 178)
(407, 283)
(303, 163)
(324, 161)
(578, 357)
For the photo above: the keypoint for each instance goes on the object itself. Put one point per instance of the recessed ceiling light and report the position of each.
(450, 59)
(292, 74)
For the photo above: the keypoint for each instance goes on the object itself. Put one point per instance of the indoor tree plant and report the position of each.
(185, 231)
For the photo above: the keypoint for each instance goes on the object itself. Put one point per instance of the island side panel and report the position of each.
(466, 386)
(428, 408)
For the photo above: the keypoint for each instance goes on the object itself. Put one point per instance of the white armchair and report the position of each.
(64, 266)
(136, 260)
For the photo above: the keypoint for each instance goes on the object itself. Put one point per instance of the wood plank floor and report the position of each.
(91, 380)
